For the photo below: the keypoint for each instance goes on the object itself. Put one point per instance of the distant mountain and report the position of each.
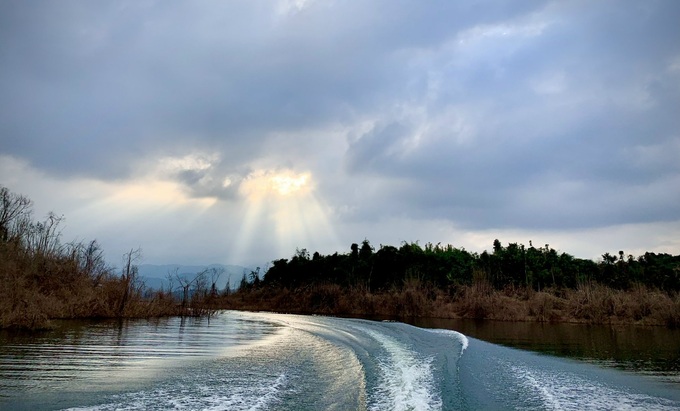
(156, 276)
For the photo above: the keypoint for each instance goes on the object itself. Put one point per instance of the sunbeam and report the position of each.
(281, 206)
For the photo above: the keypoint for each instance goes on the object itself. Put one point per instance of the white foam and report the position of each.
(271, 396)
(259, 395)
(565, 391)
(406, 381)
(462, 339)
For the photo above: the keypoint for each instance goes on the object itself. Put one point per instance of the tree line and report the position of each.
(445, 267)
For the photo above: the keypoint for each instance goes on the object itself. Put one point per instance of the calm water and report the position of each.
(251, 361)
(654, 351)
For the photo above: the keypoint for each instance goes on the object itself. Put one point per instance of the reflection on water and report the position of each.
(88, 355)
(650, 350)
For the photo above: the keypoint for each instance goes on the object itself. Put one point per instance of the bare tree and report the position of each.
(129, 277)
(193, 290)
(13, 208)
(90, 260)
(42, 238)
(201, 285)
(171, 279)
(227, 288)
(185, 283)
(215, 274)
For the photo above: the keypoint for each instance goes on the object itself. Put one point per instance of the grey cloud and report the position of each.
(88, 87)
(504, 126)
(213, 179)
(376, 146)
(617, 95)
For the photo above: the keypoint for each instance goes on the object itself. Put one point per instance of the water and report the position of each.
(260, 361)
(654, 351)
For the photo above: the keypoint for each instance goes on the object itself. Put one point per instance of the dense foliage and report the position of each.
(446, 267)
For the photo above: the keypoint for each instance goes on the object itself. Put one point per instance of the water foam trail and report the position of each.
(406, 381)
(565, 391)
(250, 396)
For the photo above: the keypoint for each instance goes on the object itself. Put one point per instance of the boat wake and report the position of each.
(261, 361)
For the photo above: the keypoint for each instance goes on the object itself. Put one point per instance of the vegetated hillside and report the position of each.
(44, 279)
(512, 282)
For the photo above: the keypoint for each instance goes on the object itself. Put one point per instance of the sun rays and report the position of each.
(281, 208)
(272, 184)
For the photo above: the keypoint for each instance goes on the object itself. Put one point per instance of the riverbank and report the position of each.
(589, 303)
(43, 279)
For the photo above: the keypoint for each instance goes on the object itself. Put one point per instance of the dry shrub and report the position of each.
(324, 299)
(656, 307)
(476, 300)
(27, 313)
(44, 279)
(471, 303)
(642, 302)
(37, 288)
(545, 307)
(669, 313)
(589, 302)
(443, 305)
(479, 303)
(412, 300)
(358, 300)
(595, 303)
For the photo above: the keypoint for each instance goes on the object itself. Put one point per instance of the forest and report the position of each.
(444, 267)
(512, 282)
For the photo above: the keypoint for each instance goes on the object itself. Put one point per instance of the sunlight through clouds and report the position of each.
(112, 212)
(152, 195)
(284, 200)
(289, 185)
(264, 183)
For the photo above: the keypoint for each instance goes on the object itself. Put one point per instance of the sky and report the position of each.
(239, 131)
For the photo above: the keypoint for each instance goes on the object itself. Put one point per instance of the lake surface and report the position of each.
(252, 361)
(653, 351)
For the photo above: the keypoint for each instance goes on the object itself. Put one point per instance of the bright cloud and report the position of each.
(268, 183)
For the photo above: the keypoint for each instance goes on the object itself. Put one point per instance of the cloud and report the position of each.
(486, 116)
(554, 142)
(101, 85)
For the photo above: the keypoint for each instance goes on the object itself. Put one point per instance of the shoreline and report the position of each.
(591, 304)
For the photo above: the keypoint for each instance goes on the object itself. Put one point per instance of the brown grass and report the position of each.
(589, 303)
(595, 303)
(36, 289)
